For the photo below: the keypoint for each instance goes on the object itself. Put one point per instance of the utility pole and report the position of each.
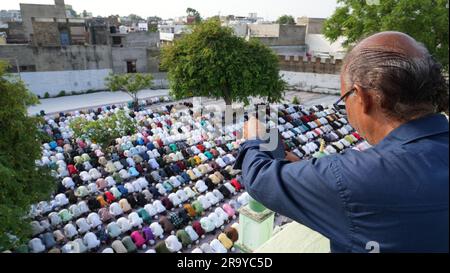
(16, 61)
(18, 68)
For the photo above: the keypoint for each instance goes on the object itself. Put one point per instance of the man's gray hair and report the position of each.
(409, 86)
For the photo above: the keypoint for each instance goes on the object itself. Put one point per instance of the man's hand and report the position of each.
(291, 157)
(254, 129)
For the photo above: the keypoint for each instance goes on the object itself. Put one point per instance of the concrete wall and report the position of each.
(99, 35)
(141, 47)
(120, 56)
(313, 25)
(240, 30)
(40, 11)
(59, 58)
(279, 35)
(73, 57)
(318, 43)
(141, 39)
(77, 57)
(292, 35)
(16, 33)
(296, 50)
(46, 34)
(55, 81)
(21, 54)
(264, 30)
(310, 65)
(313, 82)
(154, 56)
(147, 59)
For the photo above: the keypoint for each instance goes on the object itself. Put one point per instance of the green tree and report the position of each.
(22, 183)
(286, 20)
(213, 62)
(104, 131)
(152, 28)
(194, 13)
(85, 14)
(130, 83)
(425, 20)
(135, 18)
(72, 12)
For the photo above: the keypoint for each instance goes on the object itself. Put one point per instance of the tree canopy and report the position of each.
(194, 13)
(286, 20)
(104, 131)
(135, 18)
(22, 183)
(425, 20)
(130, 83)
(213, 62)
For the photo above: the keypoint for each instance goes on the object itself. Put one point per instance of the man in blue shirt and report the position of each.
(392, 197)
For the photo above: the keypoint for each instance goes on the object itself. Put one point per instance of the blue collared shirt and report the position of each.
(394, 195)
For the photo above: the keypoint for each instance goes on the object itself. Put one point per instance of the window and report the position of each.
(21, 68)
(27, 68)
(131, 67)
(117, 40)
(65, 40)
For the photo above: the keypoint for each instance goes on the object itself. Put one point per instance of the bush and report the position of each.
(46, 95)
(295, 100)
(106, 130)
(62, 93)
(23, 183)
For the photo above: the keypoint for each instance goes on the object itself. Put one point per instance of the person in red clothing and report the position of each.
(235, 183)
(72, 170)
(201, 147)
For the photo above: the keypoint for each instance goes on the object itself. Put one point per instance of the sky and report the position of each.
(269, 9)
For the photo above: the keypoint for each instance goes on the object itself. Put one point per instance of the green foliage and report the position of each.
(153, 28)
(194, 13)
(135, 18)
(213, 62)
(425, 20)
(104, 131)
(130, 83)
(46, 95)
(22, 183)
(72, 12)
(295, 100)
(286, 20)
(62, 93)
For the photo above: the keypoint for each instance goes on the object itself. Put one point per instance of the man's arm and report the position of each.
(305, 191)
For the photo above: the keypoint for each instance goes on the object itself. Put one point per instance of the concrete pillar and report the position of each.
(255, 226)
(60, 3)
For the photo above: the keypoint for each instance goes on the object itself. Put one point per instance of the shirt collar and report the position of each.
(429, 125)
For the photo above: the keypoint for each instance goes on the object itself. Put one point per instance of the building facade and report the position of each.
(47, 40)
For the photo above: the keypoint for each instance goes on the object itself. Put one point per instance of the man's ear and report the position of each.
(364, 99)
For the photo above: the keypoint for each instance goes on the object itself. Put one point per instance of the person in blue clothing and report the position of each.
(392, 197)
